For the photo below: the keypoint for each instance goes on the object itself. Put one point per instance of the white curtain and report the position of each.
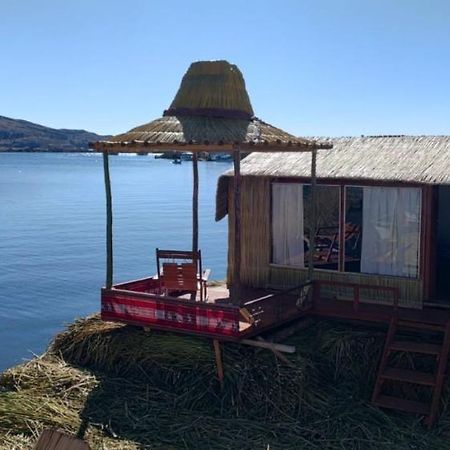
(287, 224)
(391, 231)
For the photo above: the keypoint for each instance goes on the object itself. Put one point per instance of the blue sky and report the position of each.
(312, 67)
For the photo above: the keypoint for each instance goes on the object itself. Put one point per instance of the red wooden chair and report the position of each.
(181, 271)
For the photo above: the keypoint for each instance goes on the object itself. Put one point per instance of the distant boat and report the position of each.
(219, 157)
(176, 161)
(186, 156)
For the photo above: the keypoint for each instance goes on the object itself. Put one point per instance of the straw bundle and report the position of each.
(214, 89)
(160, 391)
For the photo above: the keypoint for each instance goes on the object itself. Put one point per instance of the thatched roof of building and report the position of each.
(210, 112)
(393, 159)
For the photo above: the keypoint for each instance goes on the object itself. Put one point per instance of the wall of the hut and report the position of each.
(257, 270)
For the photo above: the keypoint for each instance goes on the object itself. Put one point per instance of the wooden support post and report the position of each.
(219, 364)
(313, 219)
(341, 264)
(109, 222)
(195, 201)
(236, 284)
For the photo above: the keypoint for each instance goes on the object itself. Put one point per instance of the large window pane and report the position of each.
(326, 246)
(391, 220)
(353, 228)
(287, 224)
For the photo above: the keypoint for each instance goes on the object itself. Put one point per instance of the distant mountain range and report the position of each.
(23, 136)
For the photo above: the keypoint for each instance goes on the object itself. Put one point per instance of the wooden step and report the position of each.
(409, 376)
(416, 347)
(409, 324)
(401, 404)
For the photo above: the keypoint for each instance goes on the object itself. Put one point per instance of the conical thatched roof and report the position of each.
(212, 89)
(211, 111)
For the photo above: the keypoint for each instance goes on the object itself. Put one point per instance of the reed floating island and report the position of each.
(133, 389)
(315, 233)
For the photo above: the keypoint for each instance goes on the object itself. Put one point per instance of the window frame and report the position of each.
(342, 186)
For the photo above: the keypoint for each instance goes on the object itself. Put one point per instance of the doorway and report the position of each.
(442, 291)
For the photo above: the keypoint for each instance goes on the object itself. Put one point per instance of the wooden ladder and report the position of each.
(433, 380)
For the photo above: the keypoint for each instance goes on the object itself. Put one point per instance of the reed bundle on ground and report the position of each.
(138, 390)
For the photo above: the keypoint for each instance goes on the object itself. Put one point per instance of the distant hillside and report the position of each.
(20, 135)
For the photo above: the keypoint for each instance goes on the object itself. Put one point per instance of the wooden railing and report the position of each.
(278, 307)
(356, 289)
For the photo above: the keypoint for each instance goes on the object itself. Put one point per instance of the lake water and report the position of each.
(52, 235)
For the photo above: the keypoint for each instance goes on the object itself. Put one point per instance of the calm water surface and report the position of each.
(52, 235)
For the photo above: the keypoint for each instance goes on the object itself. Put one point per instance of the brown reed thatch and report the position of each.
(211, 111)
(396, 159)
(213, 89)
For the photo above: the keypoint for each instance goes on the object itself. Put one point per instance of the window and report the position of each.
(291, 215)
(391, 220)
(381, 232)
(353, 228)
(287, 224)
(326, 246)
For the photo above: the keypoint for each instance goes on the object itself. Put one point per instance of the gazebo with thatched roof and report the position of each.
(210, 112)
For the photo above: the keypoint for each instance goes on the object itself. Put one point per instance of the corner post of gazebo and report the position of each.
(109, 222)
(313, 222)
(236, 284)
(194, 201)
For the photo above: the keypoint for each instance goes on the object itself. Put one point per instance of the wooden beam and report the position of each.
(219, 363)
(269, 345)
(135, 147)
(195, 202)
(236, 284)
(109, 222)
(277, 353)
(313, 219)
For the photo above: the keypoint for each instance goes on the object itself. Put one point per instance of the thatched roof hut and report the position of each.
(211, 111)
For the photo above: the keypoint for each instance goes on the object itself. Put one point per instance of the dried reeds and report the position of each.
(213, 85)
(157, 390)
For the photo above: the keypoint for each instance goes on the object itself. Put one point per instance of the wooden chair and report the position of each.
(176, 275)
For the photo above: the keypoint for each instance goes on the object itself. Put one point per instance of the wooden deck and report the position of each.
(140, 302)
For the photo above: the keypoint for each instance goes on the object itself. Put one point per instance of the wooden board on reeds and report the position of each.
(57, 440)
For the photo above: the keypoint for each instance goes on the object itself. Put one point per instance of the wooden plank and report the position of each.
(109, 223)
(269, 345)
(401, 404)
(409, 376)
(135, 147)
(278, 354)
(57, 440)
(416, 347)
